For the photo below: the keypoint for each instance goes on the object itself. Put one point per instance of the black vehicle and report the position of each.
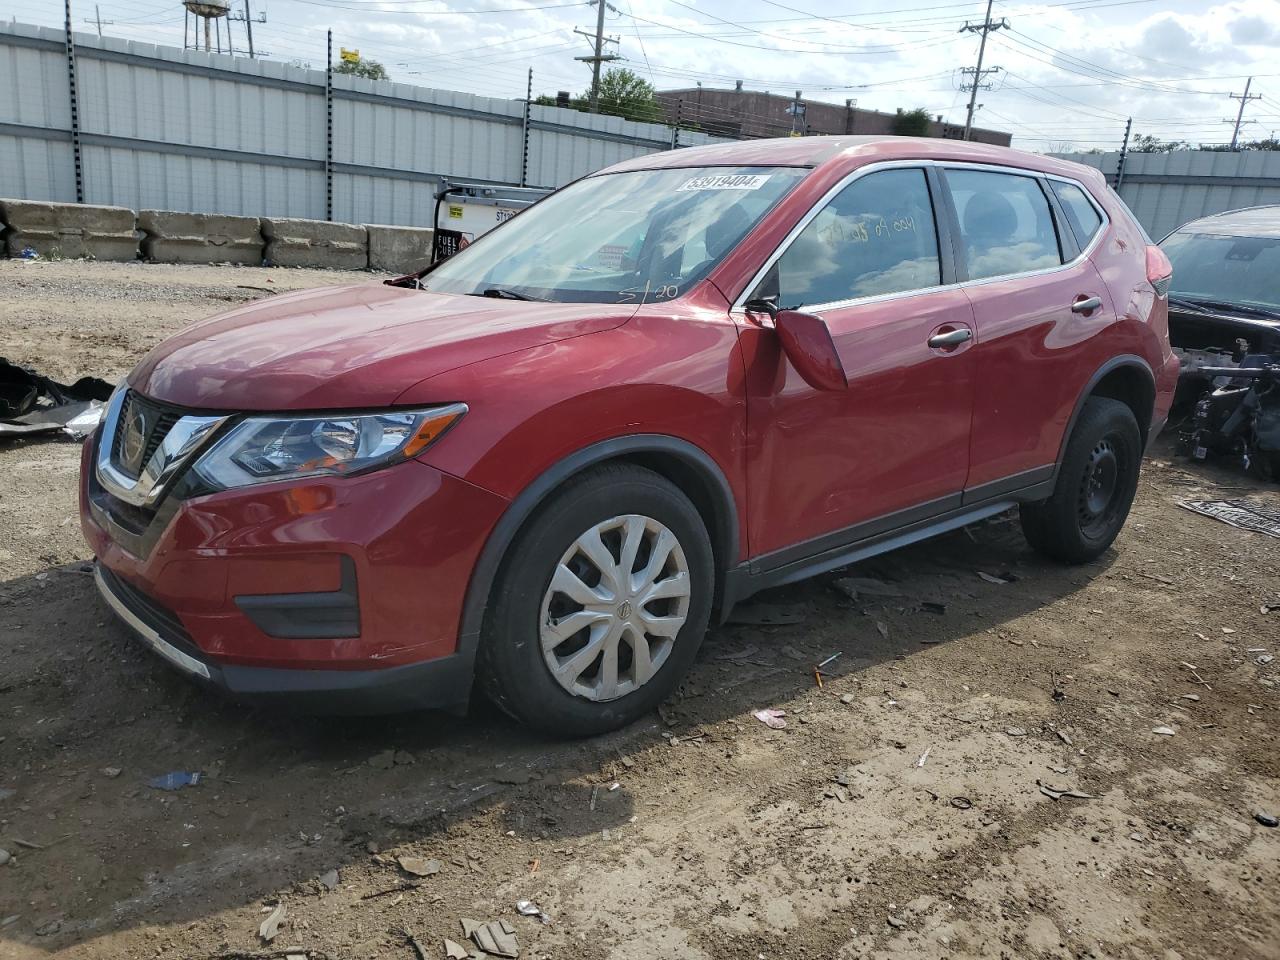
(1224, 324)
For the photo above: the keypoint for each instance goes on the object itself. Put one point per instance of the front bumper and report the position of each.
(401, 541)
(442, 683)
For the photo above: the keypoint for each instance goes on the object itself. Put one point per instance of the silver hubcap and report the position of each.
(616, 601)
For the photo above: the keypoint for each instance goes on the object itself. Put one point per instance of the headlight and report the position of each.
(261, 449)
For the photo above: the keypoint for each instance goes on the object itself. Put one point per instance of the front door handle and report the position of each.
(952, 338)
(1087, 305)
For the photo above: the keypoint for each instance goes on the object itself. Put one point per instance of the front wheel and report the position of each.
(600, 605)
(1097, 481)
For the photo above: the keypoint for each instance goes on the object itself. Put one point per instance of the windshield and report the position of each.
(643, 236)
(1225, 270)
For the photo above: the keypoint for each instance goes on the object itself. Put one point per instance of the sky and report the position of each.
(1070, 71)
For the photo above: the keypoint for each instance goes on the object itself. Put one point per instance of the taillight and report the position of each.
(1159, 270)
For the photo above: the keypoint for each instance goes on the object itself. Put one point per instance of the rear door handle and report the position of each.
(952, 338)
(1085, 306)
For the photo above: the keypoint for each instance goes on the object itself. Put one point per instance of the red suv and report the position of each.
(548, 462)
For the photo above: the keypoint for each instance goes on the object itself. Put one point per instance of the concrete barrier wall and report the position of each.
(200, 238)
(73, 231)
(69, 230)
(315, 243)
(399, 249)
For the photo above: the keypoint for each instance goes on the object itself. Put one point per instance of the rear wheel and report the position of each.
(601, 604)
(1096, 485)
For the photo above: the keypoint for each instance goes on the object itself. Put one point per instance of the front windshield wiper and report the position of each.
(501, 293)
(1224, 307)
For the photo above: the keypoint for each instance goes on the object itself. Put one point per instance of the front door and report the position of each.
(826, 467)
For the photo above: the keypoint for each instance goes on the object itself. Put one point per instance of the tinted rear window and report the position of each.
(1081, 214)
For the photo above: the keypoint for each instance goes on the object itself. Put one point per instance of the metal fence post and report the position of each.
(524, 156)
(328, 129)
(675, 130)
(74, 98)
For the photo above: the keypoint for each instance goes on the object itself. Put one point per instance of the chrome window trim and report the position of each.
(821, 204)
(179, 445)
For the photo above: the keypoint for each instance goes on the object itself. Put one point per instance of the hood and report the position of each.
(343, 347)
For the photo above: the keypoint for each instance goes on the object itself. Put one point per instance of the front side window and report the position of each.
(640, 236)
(1081, 214)
(877, 236)
(1005, 223)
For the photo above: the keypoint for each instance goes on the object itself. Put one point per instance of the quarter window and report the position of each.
(1005, 223)
(1081, 214)
(877, 236)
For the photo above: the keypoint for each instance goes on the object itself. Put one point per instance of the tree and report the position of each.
(369, 69)
(1146, 143)
(913, 123)
(623, 93)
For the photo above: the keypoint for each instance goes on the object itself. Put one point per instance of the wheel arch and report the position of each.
(684, 464)
(1127, 378)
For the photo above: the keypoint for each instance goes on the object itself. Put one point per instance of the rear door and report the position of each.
(1039, 308)
(826, 467)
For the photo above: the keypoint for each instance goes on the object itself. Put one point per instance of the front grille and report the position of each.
(159, 418)
(160, 618)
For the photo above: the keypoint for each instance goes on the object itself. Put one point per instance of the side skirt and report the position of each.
(874, 537)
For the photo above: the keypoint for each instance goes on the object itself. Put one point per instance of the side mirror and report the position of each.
(808, 345)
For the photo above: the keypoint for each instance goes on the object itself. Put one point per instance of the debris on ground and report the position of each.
(31, 404)
(1245, 514)
(961, 803)
(771, 718)
(270, 927)
(418, 947)
(527, 908)
(175, 780)
(1266, 819)
(1057, 793)
(496, 937)
(419, 866)
(994, 578)
(1163, 731)
(454, 950)
(329, 879)
(924, 756)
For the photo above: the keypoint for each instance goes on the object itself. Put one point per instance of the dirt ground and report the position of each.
(898, 815)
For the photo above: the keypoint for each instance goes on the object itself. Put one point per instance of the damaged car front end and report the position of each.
(1224, 324)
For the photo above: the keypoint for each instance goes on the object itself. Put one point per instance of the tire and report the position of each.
(1097, 481)
(547, 585)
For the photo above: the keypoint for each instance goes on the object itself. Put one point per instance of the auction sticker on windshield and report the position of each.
(740, 181)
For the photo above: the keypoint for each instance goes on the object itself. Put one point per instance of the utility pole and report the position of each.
(977, 72)
(599, 57)
(797, 111)
(247, 19)
(1124, 152)
(1243, 98)
(97, 18)
(850, 114)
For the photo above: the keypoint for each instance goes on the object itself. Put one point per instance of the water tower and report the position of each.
(212, 12)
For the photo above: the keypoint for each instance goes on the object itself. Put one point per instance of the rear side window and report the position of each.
(1081, 214)
(1005, 223)
(876, 237)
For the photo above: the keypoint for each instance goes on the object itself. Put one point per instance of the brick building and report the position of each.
(753, 114)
